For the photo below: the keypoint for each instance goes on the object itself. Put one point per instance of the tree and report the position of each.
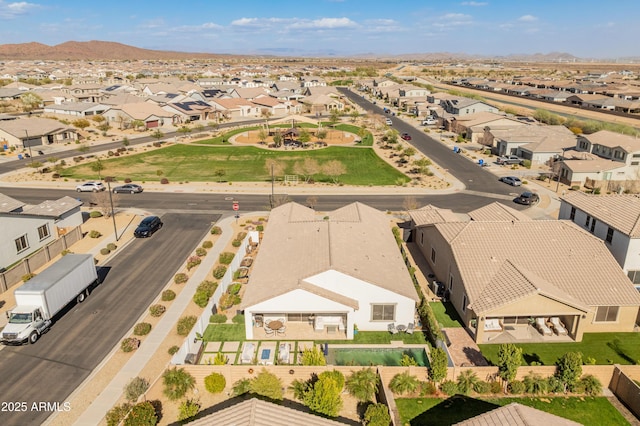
(98, 166)
(403, 383)
(81, 123)
(184, 130)
(104, 127)
(277, 139)
(268, 385)
(466, 381)
(334, 117)
(263, 135)
(125, 142)
(410, 203)
(509, 359)
(313, 356)
(177, 382)
(333, 169)
(266, 113)
(136, 124)
(274, 167)
(363, 384)
(220, 173)
(307, 168)
(304, 136)
(354, 115)
(323, 396)
(157, 134)
(322, 134)
(439, 362)
(377, 415)
(30, 101)
(569, 369)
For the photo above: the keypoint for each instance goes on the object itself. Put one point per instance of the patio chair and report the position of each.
(410, 327)
(248, 352)
(284, 355)
(541, 325)
(558, 327)
(392, 328)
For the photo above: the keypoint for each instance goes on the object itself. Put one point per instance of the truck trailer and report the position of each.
(43, 296)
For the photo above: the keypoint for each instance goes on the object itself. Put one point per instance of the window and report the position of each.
(43, 231)
(586, 222)
(593, 225)
(433, 255)
(572, 215)
(421, 238)
(607, 314)
(464, 303)
(450, 282)
(383, 312)
(634, 276)
(22, 243)
(609, 235)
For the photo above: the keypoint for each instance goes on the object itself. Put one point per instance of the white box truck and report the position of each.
(43, 296)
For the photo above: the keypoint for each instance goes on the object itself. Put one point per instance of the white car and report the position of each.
(389, 122)
(430, 122)
(91, 187)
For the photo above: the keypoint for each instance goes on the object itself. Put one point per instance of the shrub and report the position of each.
(226, 258)
(95, 234)
(241, 387)
(95, 214)
(377, 415)
(260, 228)
(192, 262)
(129, 344)
(535, 384)
(104, 251)
(112, 246)
(188, 409)
(234, 288)
(363, 384)
(177, 382)
(241, 236)
(220, 359)
(207, 244)
(208, 287)
(164, 181)
(555, 385)
(180, 278)
(117, 414)
(408, 360)
(136, 387)
(496, 386)
(215, 382)
(216, 230)
(236, 243)
(238, 319)
(27, 277)
(185, 324)
(142, 414)
(428, 388)
(227, 300)
(403, 383)
(449, 387)
(157, 310)
(219, 271)
(173, 350)
(466, 381)
(313, 356)
(142, 329)
(482, 387)
(516, 387)
(201, 252)
(268, 385)
(168, 295)
(591, 385)
(201, 298)
(218, 319)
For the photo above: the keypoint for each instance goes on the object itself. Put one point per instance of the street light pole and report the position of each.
(29, 146)
(113, 215)
(559, 170)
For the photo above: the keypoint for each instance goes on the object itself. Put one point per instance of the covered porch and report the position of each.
(301, 325)
(527, 329)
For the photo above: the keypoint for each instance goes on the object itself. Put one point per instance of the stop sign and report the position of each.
(236, 206)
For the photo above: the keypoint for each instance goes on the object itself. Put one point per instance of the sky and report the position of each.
(584, 28)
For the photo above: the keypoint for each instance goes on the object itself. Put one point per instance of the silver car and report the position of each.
(91, 187)
(128, 188)
(511, 180)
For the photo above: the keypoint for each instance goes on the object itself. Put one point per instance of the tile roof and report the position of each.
(8, 204)
(516, 414)
(35, 127)
(355, 240)
(620, 211)
(256, 412)
(593, 166)
(612, 140)
(429, 215)
(497, 211)
(55, 208)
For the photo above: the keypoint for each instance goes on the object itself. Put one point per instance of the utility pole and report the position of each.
(113, 214)
(272, 194)
(28, 146)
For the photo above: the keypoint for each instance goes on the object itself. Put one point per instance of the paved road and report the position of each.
(56, 365)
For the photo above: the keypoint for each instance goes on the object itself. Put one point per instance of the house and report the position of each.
(460, 106)
(189, 110)
(613, 218)
(539, 144)
(25, 229)
(474, 125)
(35, 131)
(151, 114)
(76, 109)
(502, 271)
(516, 414)
(325, 274)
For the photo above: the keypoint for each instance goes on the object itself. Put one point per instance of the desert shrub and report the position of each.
(177, 382)
(201, 252)
(496, 387)
(115, 416)
(238, 319)
(180, 278)
(95, 213)
(216, 230)
(226, 301)
(27, 277)
(168, 295)
(482, 387)
(377, 415)
(142, 414)
(185, 324)
(164, 181)
(241, 236)
(201, 298)
(207, 244)
(188, 409)
(192, 262)
(591, 385)
(129, 344)
(236, 243)
(218, 319)
(234, 288)
(449, 387)
(516, 387)
(226, 258)
(65, 252)
(219, 271)
(142, 329)
(104, 251)
(112, 246)
(127, 180)
(215, 382)
(260, 228)
(428, 388)
(403, 383)
(208, 287)
(136, 387)
(157, 310)
(173, 350)
(94, 234)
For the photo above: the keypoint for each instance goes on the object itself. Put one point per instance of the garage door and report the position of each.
(152, 124)
(31, 142)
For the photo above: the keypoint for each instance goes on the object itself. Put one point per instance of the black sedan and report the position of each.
(527, 198)
(148, 227)
(129, 188)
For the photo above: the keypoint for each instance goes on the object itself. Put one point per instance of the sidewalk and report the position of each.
(112, 393)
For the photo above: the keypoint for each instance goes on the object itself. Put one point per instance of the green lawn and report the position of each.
(435, 411)
(380, 337)
(224, 333)
(188, 163)
(605, 348)
(446, 314)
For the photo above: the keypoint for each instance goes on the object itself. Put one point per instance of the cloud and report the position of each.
(324, 23)
(453, 20)
(286, 24)
(152, 23)
(527, 18)
(382, 26)
(474, 3)
(13, 10)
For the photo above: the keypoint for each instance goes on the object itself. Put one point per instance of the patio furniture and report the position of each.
(492, 324)
(248, 352)
(284, 353)
(410, 327)
(541, 325)
(269, 331)
(275, 324)
(258, 320)
(265, 357)
(392, 328)
(401, 328)
(281, 331)
(558, 327)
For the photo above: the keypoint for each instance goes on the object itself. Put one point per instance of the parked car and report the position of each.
(129, 188)
(406, 136)
(509, 159)
(148, 227)
(388, 121)
(527, 198)
(511, 180)
(429, 122)
(91, 187)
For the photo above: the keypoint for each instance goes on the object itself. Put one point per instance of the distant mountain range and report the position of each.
(107, 50)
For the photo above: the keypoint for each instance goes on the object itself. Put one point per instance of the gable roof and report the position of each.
(613, 140)
(497, 211)
(430, 214)
(34, 127)
(8, 204)
(620, 211)
(516, 414)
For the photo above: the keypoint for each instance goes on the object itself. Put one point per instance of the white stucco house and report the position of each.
(325, 274)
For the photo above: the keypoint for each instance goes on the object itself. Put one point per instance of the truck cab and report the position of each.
(26, 323)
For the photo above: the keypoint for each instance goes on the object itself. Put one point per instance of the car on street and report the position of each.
(406, 136)
(388, 121)
(129, 188)
(91, 187)
(429, 122)
(148, 227)
(511, 180)
(509, 160)
(527, 198)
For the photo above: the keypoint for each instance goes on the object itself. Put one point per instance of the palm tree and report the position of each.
(177, 382)
(403, 383)
(466, 381)
(363, 384)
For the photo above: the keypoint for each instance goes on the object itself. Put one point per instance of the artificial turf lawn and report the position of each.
(446, 314)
